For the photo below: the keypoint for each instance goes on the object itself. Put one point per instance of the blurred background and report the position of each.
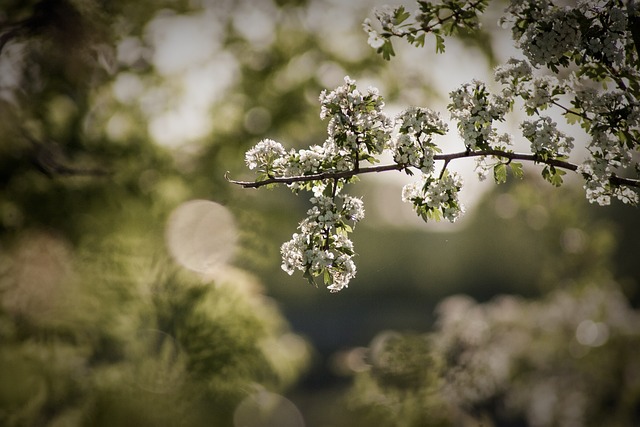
(139, 287)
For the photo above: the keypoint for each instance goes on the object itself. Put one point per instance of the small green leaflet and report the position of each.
(553, 175)
(500, 173)
(439, 44)
(387, 50)
(572, 116)
(401, 15)
(516, 169)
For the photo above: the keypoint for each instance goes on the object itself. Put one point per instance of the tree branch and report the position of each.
(615, 180)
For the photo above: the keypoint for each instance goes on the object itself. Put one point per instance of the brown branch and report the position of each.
(615, 180)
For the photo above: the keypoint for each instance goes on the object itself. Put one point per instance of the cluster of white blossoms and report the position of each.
(548, 40)
(414, 145)
(322, 247)
(356, 120)
(435, 198)
(431, 197)
(600, 47)
(357, 131)
(549, 34)
(476, 110)
(546, 140)
(597, 173)
(263, 155)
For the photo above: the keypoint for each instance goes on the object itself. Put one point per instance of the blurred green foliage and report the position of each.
(98, 327)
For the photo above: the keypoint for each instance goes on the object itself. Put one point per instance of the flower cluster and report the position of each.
(356, 121)
(435, 198)
(414, 145)
(597, 174)
(537, 92)
(322, 247)
(513, 73)
(610, 116)
(476, 109)
(357, 131)
(595, 43)
(263, 155)
(548, 41)
(553, 36)
(546, 140)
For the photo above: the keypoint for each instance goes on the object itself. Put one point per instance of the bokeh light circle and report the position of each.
(201, 235)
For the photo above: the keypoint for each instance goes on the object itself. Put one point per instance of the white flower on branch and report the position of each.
(263, 155)
(435, 198)
(546, 139)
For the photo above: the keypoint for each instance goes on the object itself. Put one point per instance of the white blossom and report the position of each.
(476, 109)
(554, 33)
(343, 272)
(293, 253)
(353, 208)
(513, 71)
(374, 40)
(264, 154)
(432, 198)
(356, 121)
(545, 138)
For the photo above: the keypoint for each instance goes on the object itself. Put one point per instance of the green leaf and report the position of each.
(516, 169)
(401, 15)
(572, 116)
(439, 44)
(387, 50)
(500, 173)
(553, 175)
(431, 214)
(307, 275)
